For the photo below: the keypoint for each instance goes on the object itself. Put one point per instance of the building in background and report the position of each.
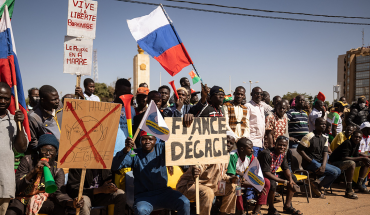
(353, 74)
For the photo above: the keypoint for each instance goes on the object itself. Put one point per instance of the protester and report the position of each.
(150, 176)
(184, 82)
(276, 124)
(165, 92)
(318, 111)
(89, 86)
(276, 100)
(364, 147)
(67, 96)
(236, 114)
(179, 108)
(358, 113)
(347, 158)
(238, 165)
(144, 85)
(31, 197)
(123, 87)
(13, 141)
(341, 137)
(141, 100)
(98, 190)
(33, 98)
(307, 108)
(266, 100)
(188, 95)
(297, 122)
(270, 161)
(194, 97)
(212, 108)
(46, 117)
(256, 117)
(287, 102)
(335, 118)
(314, 150)
(231, 140)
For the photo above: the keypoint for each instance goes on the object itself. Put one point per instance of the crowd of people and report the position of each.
(330, 141)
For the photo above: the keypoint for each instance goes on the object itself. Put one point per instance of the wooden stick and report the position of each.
(136, 133)
(197, 195)
(78, 84)
(80, 191)
(17, 104)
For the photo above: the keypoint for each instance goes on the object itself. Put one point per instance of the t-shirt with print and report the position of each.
(274, 123)
(335, 119)
(236, 163)
(364, 145)
(314, 146)
(265, 160)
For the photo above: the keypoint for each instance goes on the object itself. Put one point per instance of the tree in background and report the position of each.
(104, 92)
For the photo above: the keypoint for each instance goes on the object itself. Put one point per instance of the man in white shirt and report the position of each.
(317, 112)
(89, 86)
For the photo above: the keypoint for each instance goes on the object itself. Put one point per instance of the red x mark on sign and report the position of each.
(97, 156)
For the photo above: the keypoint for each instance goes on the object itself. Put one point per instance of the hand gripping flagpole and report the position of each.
(178, 39)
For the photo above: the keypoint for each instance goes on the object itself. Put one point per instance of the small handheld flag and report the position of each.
(10, 4)
(126, 99)
(254, 175)
(194, 77)
(228, 98)
(154, 123)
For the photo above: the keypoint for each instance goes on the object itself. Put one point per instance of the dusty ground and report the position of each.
(334, 203)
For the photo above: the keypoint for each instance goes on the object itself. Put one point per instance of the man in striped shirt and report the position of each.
(297, 122)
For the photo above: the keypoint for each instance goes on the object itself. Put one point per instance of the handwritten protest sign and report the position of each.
(204, 142)
(88, 134)
(82, 18)
(77, 55)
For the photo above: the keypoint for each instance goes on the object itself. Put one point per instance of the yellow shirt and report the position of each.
(339, 139)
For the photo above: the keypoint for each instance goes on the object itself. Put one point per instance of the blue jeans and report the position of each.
(168, 199)
(330, 174)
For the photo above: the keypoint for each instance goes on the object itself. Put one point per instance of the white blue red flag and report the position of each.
(9, 68)
(155, 35)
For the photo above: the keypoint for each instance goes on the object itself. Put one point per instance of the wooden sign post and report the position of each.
(204, 142)
(87, 136)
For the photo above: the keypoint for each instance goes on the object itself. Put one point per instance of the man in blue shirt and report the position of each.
(150, 173)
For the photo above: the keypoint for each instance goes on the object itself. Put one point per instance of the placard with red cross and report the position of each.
(88, 134)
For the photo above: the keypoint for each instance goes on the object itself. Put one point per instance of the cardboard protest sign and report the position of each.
(88, 134)
(204, 142)
(254, 175)
(77, 55)
(82, 18)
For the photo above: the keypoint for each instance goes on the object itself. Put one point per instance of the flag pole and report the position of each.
(178, 39)
(17, 104)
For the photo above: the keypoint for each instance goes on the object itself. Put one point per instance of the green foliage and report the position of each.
(291, 95)
(104, 92)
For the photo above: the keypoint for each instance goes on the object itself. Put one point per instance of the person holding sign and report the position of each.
(31, 196)
(150, 173)
(240, 160)
(270, 161)
(89, 86)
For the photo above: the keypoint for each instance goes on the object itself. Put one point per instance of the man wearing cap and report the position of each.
(194, 97)
(150, 176)
(211, 108)
(141, 100)
(335, 118)
(236, 114)
(358, 113)
(364, 148)
(12, 141)
(31, 197)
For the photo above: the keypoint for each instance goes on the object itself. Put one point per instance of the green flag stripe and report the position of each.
(195, 79)
(10, 4)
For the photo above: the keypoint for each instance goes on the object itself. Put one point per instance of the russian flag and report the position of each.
(9, 68)
(155, 35)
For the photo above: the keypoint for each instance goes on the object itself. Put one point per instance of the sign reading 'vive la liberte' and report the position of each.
(204, 142)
